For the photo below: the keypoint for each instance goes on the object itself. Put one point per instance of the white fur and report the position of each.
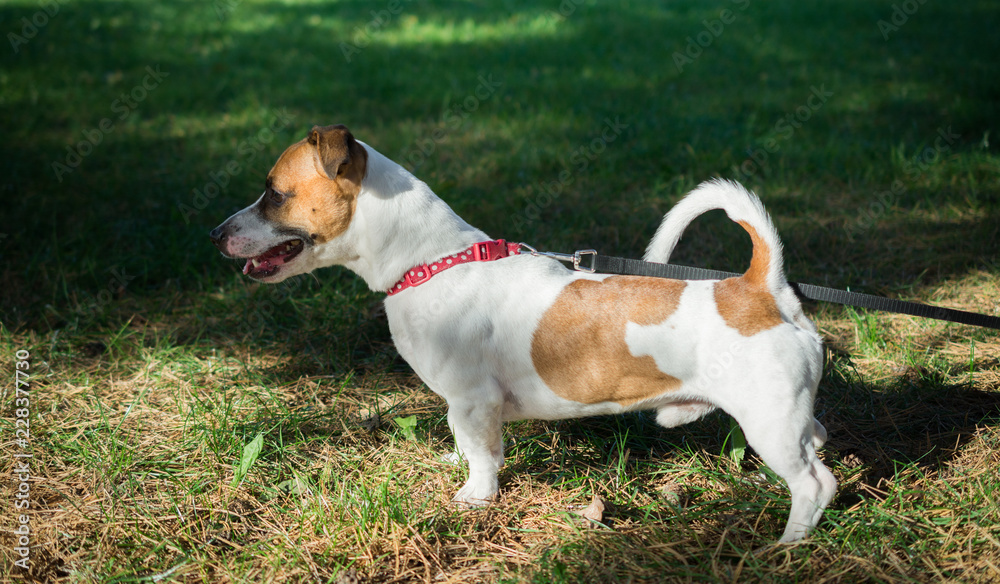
(468, 331)
(740, 205)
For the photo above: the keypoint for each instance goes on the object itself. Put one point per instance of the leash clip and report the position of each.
(577, 258)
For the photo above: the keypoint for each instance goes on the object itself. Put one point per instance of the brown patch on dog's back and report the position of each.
(321, 177)
(579, 348)
(745, 303)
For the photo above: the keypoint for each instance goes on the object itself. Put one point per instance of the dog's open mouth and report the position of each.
(267, 263)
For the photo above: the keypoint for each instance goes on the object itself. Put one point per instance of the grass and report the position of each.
(154, 363)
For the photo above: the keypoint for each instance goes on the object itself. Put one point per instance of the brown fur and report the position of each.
(579, 347)
(320, 177)
(746, 303)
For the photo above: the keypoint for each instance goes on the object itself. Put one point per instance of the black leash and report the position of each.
(631, 267)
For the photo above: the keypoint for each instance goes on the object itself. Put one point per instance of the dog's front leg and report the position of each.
(476, 423)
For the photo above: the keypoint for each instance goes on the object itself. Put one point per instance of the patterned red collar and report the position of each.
(485, 251)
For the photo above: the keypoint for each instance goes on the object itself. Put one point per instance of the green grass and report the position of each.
(154, 362)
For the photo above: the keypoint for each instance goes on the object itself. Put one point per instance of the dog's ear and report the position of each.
(338, 153)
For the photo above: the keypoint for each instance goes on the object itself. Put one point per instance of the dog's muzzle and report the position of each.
(259, 265)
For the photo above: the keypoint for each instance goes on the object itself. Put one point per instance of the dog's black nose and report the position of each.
(216, 235)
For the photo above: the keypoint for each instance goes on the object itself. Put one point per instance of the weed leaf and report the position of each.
(408, 426)
(736, 442)
(250, 453)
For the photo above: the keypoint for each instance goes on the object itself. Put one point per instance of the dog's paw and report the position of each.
(475, 496)
(471, 503)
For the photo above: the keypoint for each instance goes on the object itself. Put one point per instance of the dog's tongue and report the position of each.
(262, 264)
(273, 258)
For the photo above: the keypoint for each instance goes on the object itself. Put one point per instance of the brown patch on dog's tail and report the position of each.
(747, 303)
(760, 263)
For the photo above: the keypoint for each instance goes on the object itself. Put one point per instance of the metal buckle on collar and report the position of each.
(418, 275)
(576, 259)
(482, 252)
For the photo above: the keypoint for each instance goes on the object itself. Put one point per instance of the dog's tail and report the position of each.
(743, 207)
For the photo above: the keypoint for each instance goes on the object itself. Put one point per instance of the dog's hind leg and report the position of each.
(785, 438)
(477, 425)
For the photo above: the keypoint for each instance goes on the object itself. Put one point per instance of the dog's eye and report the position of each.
(276, 198)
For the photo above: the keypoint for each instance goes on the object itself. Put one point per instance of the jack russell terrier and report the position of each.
(507, 336)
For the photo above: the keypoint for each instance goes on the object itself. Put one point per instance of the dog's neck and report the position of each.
(399, 223)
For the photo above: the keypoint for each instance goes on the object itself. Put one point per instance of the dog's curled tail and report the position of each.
(743, 207)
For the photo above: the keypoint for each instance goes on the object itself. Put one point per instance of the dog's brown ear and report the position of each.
(339, 154)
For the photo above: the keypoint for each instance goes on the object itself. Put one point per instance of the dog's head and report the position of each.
(309, 199)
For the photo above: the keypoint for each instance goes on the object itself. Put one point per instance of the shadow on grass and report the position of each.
(560, 77)
(914, 420)
(875, 430)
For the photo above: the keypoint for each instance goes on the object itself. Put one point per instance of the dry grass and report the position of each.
(136, 447)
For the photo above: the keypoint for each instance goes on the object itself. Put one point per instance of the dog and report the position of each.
(503, 335)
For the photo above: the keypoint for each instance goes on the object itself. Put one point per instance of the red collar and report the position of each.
(485, 251)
